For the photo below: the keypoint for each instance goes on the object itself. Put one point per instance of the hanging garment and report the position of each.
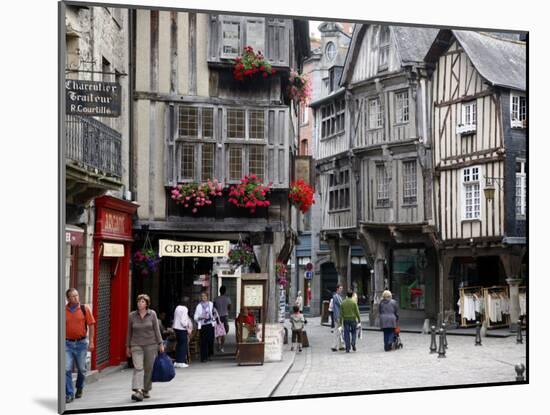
(522, 304)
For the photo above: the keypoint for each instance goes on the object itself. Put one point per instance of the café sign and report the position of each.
(91, 98)
(193, 249)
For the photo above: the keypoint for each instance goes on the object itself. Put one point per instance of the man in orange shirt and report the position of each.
(78, 318)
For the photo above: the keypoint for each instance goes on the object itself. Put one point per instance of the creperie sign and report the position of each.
(193, 248)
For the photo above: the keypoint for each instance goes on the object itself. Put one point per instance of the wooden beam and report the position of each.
(464, 99)
(156, 96)
(470, 163)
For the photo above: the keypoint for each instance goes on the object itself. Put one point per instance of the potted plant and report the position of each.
(251, 65)
(196, 195)
(301, 195)
(299, 88)
(250, 193)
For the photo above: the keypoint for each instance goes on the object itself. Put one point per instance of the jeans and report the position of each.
(181, 346)
(388, 338)
(207, 341)
(350, 328)
(75, 352)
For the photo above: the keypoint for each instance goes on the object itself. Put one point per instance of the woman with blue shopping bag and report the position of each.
(143, 342)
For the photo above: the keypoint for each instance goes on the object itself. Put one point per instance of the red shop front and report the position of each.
(112, 251)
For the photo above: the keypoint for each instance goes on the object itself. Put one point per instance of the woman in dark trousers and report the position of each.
(205, 316)
(183, 327)
(388, 318)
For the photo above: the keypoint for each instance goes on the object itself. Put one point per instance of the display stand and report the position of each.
(500, 292)
(463, 292)
(251, 348)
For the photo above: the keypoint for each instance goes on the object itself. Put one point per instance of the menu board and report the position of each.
(253, 295)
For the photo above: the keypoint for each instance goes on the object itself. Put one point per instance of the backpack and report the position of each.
(83, 309)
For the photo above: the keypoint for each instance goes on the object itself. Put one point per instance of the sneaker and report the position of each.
(292, 349)
(342, 348)
(300, 349)
(146, 394)
(347, 351)
(137, 396)
(334, 349)
(353, 348)
(68, 399)
(221, 350)
(78, 393)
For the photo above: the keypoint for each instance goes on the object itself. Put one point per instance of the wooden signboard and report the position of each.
(250, 348)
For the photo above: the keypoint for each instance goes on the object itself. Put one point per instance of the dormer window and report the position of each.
(469, 117)
(518, 111)
(384, 48)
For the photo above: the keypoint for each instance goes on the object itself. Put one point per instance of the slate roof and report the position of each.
(412, 44)
(502, 62)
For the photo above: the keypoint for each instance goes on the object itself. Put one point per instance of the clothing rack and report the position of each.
(463, 292)
(523, 290)
(500, 291)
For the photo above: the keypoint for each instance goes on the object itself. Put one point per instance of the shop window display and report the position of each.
(408, 280)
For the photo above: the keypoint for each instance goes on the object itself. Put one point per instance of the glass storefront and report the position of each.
(408, 282)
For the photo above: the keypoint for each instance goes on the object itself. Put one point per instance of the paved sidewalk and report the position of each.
(319, 370)
(217, 380)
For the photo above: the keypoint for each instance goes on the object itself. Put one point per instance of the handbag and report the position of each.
(219, 330)
(397, 329)
(163, 369)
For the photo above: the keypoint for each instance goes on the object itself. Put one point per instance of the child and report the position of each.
(297, 324)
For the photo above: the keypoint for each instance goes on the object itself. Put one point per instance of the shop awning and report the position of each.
(193, 248)
(113, 250)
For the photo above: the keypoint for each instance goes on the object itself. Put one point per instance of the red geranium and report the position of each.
(250, 193)
(251, 64)
(301, 195)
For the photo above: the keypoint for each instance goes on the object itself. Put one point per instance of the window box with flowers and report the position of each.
(301, 195)
(250, 194)
(251, 65)
(196, 195)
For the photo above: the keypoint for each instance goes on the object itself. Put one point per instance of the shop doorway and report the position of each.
(103, 324)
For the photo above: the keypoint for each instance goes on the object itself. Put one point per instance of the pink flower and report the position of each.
(194, 210)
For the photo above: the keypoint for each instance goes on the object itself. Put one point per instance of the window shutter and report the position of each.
(255, 34)
(277, 148)
(170, 156)
(277, 40)
(230, 37)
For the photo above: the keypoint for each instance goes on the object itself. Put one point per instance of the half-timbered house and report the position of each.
(479, 152)
(335, 178)
(194, 122)
(387, 114)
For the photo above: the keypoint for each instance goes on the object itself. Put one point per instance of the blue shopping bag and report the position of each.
(163, 369)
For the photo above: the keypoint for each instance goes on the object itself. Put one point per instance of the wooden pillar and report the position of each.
(512, 266)
(446, 307)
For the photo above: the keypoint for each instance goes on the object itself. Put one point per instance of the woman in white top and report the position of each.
(205, 316)
(183, 327)
(299, 301)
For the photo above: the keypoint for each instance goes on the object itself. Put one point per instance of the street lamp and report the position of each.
(489, 189)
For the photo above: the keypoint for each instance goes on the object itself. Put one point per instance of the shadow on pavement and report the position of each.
(48, 403)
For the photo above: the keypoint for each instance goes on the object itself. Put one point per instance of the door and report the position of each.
(103, 324)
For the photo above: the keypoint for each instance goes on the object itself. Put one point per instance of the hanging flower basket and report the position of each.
(281, 271)
(251, 65)
(241, 255)
(301, 195)
(250, 194)
(299, 89)
(196, 195)
(146, 261)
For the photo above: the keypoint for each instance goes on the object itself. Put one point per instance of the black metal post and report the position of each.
(433, 344)
(444, 327)
(520, 369)
(519, 338)
(478, 333)
(441, 351)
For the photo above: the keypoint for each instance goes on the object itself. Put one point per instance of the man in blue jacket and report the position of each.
(336, 303)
